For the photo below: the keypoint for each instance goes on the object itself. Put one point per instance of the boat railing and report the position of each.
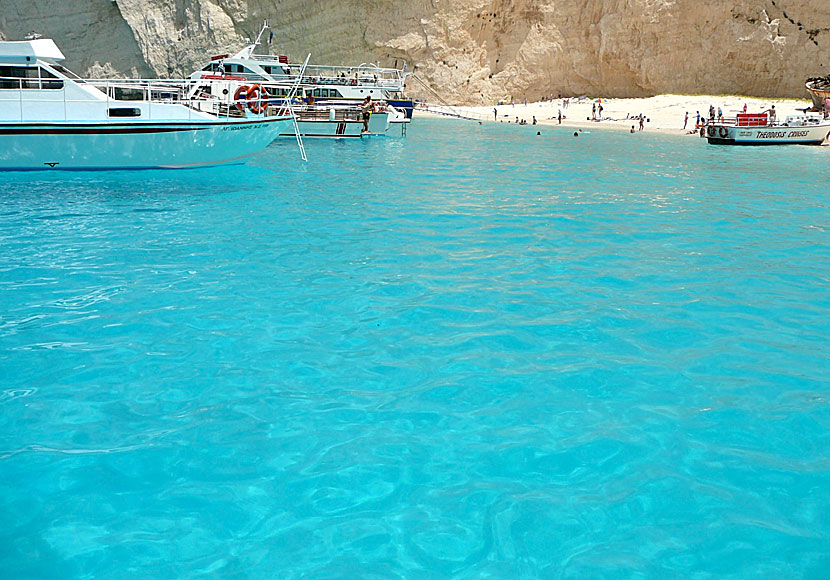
(31, 95)
(311, 79)
(312, 113)
(333, 70)
(740, 120)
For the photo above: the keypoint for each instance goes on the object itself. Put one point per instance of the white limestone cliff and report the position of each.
(468, 51)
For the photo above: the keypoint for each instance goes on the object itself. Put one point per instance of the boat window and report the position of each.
(128, 94)
(15, 77)
(316, 92)
(124, 112)
(66, 72)
(48, 80)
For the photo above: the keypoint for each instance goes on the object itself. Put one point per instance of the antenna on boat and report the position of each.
(264, 28)
(287, 104)
(248, 52)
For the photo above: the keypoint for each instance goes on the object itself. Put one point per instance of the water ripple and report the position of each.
(476, 352)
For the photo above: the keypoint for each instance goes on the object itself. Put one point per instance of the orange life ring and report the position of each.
(710, 131)
(238, 97)
(255, 102)
(723, 132)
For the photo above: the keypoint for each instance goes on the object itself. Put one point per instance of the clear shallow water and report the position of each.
(473, 353)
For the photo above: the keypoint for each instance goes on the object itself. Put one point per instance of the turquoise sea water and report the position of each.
(472, 353)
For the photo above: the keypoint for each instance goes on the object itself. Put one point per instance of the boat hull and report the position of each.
(133, 145)
(776, 135)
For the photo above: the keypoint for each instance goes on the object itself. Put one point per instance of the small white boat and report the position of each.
(52, 119)
(762, 129)
(346, 121)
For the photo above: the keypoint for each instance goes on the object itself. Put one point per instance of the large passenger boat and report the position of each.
(319, 84)
(52, 119)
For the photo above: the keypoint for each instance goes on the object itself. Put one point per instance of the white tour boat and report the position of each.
(50, 118)
(763, 129)
(318, 86)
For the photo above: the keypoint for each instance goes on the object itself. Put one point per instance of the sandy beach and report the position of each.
(663, 113)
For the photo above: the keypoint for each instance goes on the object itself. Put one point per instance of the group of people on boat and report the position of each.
(367, 107)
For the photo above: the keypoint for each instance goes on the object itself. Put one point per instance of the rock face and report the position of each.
(463, 51)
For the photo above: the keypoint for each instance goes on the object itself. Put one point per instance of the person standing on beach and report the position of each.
(686, 120)
(642, 118)
(495, 114)
(697, 122)
(560, 116)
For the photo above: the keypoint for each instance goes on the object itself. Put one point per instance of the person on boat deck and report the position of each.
(221, 68)
(771, 112)
(366, 108)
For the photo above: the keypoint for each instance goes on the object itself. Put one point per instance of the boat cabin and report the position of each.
(31, 65)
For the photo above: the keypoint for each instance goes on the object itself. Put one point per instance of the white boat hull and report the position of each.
(133, 145)
(770, 135)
